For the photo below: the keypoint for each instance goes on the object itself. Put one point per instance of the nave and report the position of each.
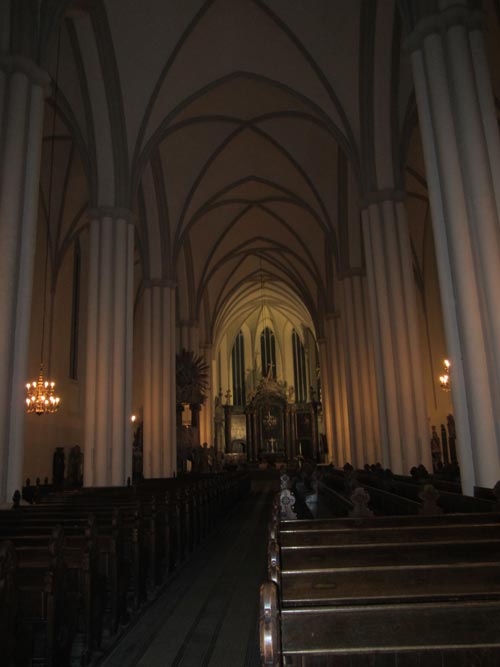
(208, 614)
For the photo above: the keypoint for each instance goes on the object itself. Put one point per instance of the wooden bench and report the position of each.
(407, 589)
(81, 549)
(399, 635)
(381, 501)
(111, 562)
(451, 500)
(43, 600)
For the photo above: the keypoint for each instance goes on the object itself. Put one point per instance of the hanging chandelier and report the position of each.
(40, 394)
(444, 380)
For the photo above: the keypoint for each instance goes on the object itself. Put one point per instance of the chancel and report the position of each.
(270, 231)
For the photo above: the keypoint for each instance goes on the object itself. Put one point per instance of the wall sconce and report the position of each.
(444, 380)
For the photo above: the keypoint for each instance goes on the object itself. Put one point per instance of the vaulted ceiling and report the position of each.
(243, 134)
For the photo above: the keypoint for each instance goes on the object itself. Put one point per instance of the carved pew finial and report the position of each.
(287, 499)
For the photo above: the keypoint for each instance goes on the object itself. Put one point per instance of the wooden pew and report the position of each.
(398, 494)
(411, 590)
(445, 634)
(45, 601)
(10, 635)
(381, 501)
(113, 558)
(80, 550)
(450, 498)
(136, 538)
(395, 521)
(450, 502)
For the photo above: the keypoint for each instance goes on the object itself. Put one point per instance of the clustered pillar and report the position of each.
(108, 437)
(339, 448)
(401, 399)
(22, 92)
(461, 144)
(360, 372)
(160, 437)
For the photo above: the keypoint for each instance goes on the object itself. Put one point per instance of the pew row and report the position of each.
(111, 551)
(409, 590)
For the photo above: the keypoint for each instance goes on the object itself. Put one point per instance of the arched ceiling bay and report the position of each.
(239, 126)
(237, 158)
(233, 191)
(261, 299)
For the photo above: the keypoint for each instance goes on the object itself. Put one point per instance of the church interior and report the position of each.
(241, 234)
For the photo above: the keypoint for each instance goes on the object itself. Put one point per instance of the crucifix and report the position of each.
(272, 442)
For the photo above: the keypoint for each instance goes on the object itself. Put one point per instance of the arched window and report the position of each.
(299, 368)
(268, 352)
(75, 313)
(238, 358)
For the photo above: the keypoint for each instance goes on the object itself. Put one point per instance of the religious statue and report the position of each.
(211, 459)
(452, 436)
(444, 442)
(75, 467)
(58, 465)
(435, 449)
(137, 453)
(204, 459)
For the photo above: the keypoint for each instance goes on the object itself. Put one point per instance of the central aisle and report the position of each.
(208, 614)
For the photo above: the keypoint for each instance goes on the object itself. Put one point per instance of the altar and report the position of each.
(270, 428)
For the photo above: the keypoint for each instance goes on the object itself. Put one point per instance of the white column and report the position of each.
(462, 155)
(359, 365)
(22, 90)
(108, 439)
(342, 436)
(394, 316)
(160, 439)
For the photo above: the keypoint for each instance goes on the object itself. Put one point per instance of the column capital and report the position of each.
(441, 21)
(114, 212)
(38, 76)
(380, 196)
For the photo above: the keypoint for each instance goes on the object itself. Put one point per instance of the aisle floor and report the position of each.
(207, 615)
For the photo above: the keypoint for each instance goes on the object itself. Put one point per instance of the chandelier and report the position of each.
(444, 380)
(40, 394)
